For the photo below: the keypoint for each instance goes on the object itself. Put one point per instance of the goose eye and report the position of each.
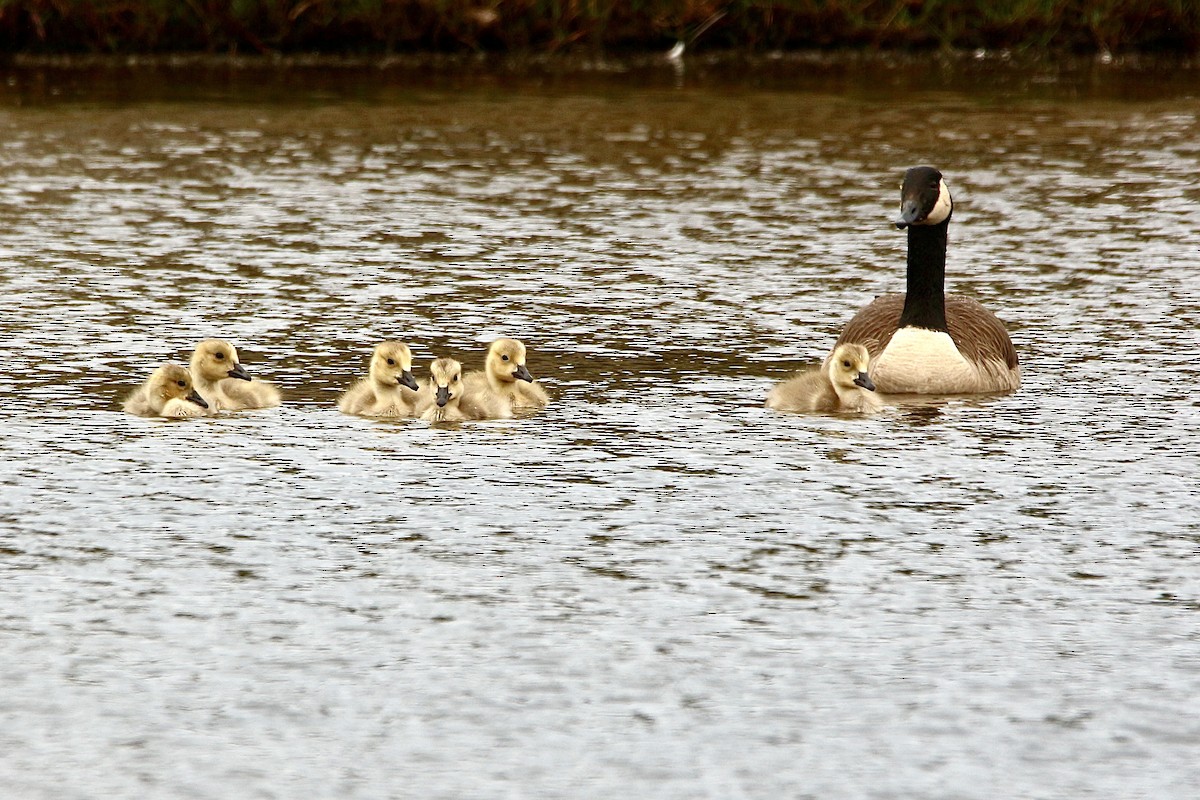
(455, 379)
(504, 358)
(181, 383)
(391, 362)
(219, 356)
(846, 364)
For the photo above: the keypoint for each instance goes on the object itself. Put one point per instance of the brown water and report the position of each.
(655, 588)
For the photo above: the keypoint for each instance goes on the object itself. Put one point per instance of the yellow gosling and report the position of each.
(389, 390)
(441, 394)
(224, 383)
(505, 384)
(168, 392)
(842, 384)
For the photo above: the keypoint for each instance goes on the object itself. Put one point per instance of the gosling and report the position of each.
(168, 392)
(843, 385)
(505, 384)
(224, 383)
(441, 394)
(389, 390)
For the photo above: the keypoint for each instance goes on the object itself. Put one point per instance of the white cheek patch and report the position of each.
(941, 209)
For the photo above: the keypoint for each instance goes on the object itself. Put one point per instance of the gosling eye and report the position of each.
(504, 358)
(391, 362)
(846, 364)
(181, 383)
(219, 356)
(455, 379)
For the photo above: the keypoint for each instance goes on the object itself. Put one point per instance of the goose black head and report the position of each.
(924, 198)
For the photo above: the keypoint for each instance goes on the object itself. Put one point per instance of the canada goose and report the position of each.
(224, 383)
(389, 390)
(440, 395)
(168, 392)
(505, 383)
(841, 384)
(925, 341)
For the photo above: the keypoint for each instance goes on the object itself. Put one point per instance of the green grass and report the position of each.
(365, 27)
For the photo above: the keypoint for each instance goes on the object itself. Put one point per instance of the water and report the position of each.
(655, 588)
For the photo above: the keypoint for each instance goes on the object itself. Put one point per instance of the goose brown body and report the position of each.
(989, 360)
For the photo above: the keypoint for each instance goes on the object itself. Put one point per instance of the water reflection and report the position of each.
(297, 586)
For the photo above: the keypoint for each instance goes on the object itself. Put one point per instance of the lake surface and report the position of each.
(655, 588)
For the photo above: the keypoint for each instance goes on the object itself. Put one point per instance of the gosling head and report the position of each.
(172, 382)
(506, 361)
(391, 364)
(924, 198)
(445, 376)
(848, 368)
(215, 359)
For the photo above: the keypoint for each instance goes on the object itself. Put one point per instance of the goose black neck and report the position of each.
(925, 301)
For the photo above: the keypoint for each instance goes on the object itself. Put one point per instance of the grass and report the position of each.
(363, 27)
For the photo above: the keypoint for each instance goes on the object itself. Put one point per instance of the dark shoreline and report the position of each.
(595, 27)
(717, 66)
(588, 63)
(48, 79)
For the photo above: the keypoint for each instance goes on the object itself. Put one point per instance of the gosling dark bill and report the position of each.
(239, 371)
(865, 382)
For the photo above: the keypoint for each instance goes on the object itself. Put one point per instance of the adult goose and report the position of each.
(925, 341)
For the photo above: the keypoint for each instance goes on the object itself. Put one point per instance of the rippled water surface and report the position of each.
(654, 588)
